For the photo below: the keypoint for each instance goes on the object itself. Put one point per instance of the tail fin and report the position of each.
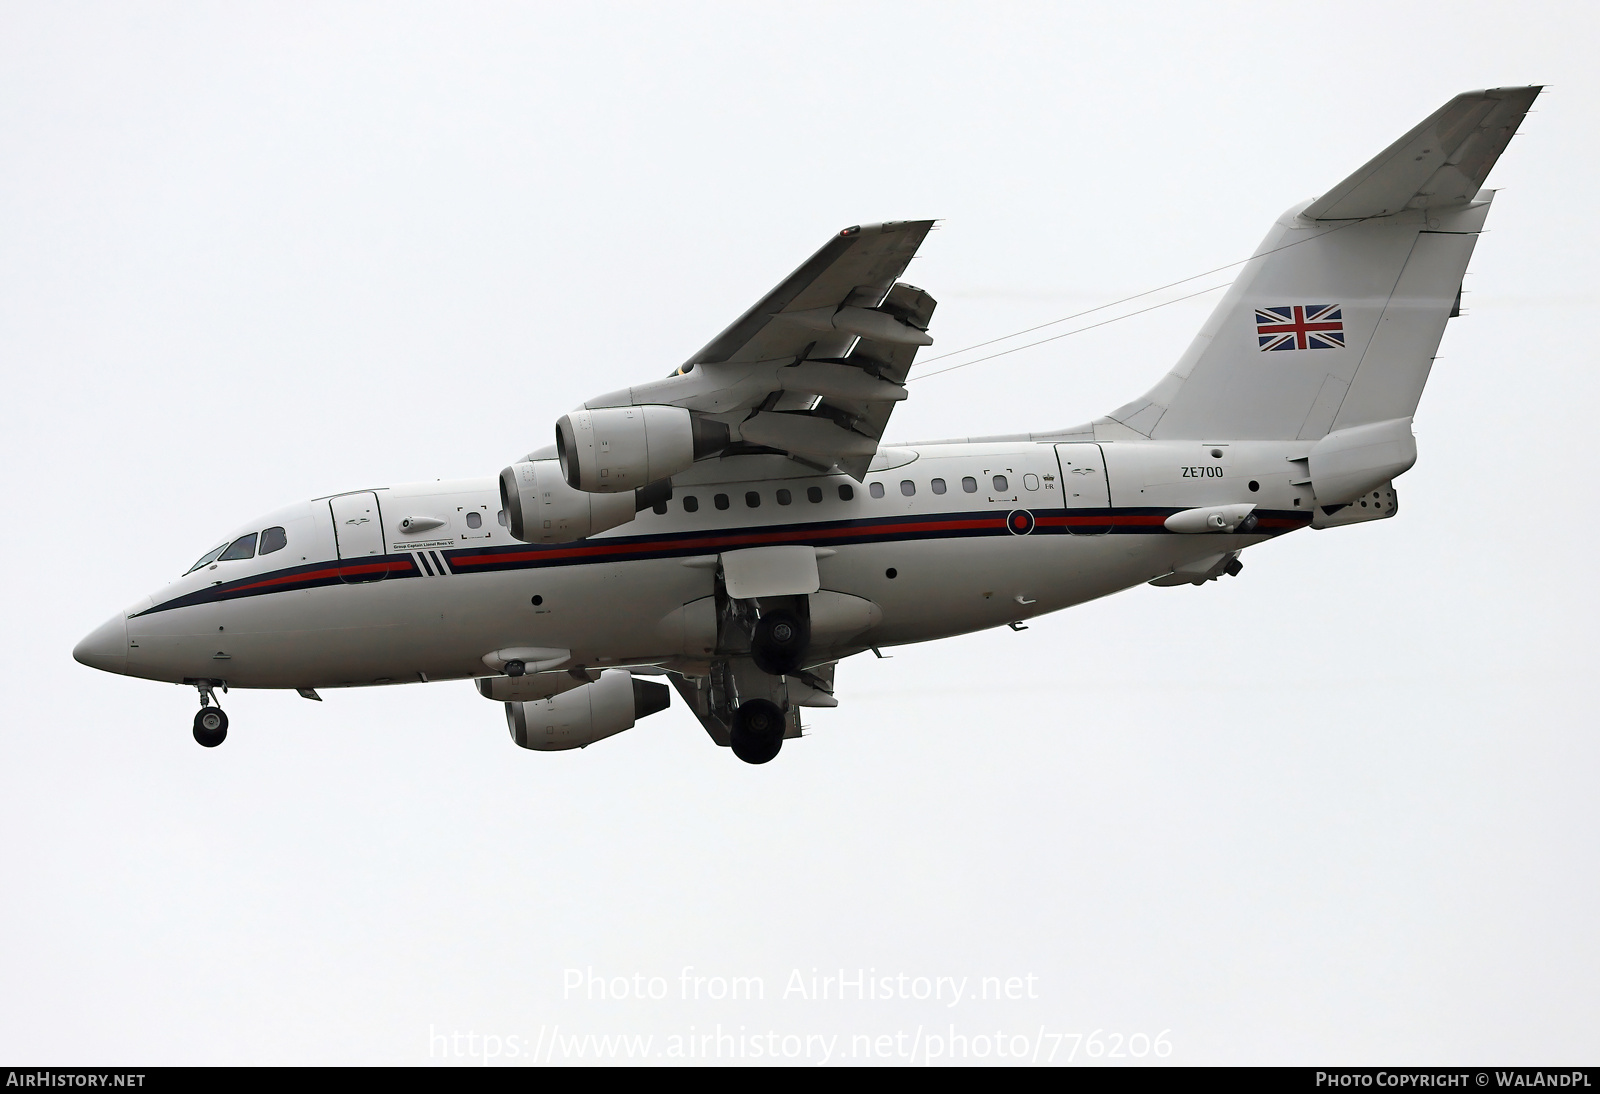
(1335, 321)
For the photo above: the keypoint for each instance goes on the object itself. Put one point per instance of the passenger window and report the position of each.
(274, 539)
(1000, 484)
(720, 501)
(474, 520)
(243, 547)
(907, 487)
(505, 521)
(207, 559)
(659, 508)
(969, 484)
(784, 497)
(814, 495)
(691, 504)
(846, 491)
(752, 499)
(938, 486)
(875, 489)
(1031, 482)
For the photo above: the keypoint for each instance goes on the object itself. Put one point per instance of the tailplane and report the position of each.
(1335, 321)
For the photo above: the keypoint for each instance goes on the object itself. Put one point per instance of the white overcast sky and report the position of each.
(1340, 809)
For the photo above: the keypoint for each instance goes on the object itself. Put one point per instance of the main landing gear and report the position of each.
(757, 731)
(210, 723)
(778, 643)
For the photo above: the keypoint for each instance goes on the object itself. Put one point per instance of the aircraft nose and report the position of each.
(105, 647)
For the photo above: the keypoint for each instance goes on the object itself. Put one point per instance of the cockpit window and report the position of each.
(243, 547)
(207, 559)
(273, 539)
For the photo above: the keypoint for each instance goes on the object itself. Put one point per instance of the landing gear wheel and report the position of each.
(210, 726)
(757, 733)
(778, 645)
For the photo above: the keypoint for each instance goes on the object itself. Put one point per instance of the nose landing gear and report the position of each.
(210, 726)
(210, 723)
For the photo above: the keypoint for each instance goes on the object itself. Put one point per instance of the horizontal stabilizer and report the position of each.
(1442, 162)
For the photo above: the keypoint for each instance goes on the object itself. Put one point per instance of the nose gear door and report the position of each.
(358, 532)
(1084, 488)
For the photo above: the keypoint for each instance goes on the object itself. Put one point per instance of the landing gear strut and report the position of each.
(210, 723)
(757, 731)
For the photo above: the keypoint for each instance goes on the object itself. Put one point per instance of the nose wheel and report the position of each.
(210, 723)
(210, 726)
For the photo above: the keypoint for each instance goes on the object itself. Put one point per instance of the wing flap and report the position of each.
(806, 434)
(697, 695)
(886, 362)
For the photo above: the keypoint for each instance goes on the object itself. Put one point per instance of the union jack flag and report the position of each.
(1300, 326)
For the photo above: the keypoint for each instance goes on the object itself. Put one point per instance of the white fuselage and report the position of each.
(437, 591)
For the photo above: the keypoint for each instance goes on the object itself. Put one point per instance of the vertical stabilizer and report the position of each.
(1335, 321)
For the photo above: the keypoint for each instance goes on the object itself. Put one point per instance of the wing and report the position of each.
(712, 704)
(815, 368)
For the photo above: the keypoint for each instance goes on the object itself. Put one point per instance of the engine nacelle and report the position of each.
(586, 714)
(542, 508)
(621, 448)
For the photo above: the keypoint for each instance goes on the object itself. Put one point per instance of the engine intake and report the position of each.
(586, 714)
(615, 449)
(542, 508)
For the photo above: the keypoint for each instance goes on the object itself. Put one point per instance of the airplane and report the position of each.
(739, 527)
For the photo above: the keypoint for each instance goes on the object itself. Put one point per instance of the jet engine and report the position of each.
(620, 448)
(586, 714)
(543, 509)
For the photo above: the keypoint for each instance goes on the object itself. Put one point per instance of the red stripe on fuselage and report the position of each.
(720, 542)
(317, 575)
(1127, 520)
(717, 543)
(713, 542)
